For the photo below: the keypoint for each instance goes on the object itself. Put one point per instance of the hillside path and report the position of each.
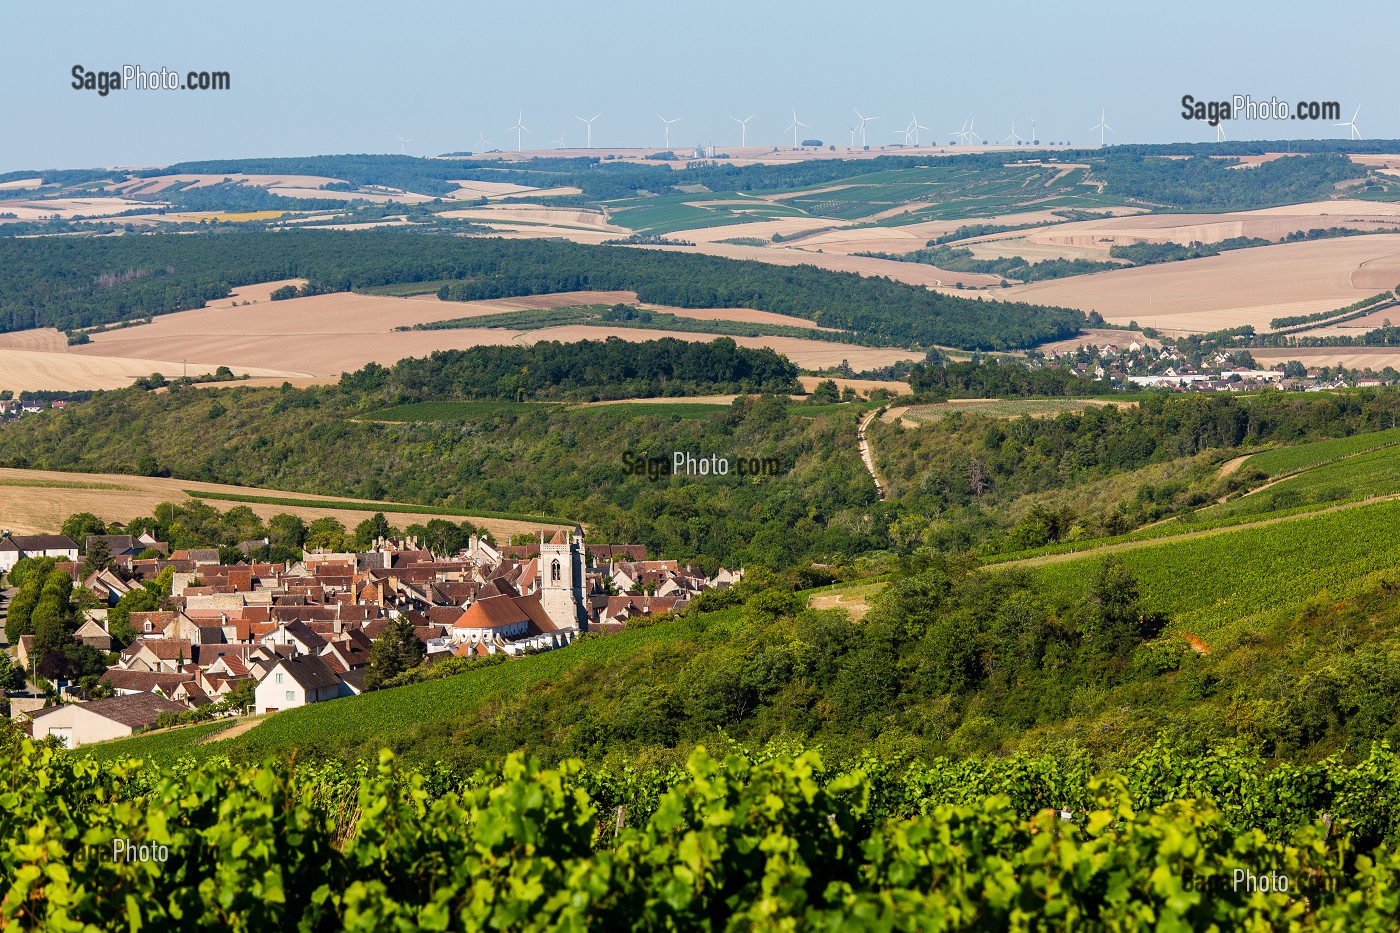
(232, 731)
(866, 454)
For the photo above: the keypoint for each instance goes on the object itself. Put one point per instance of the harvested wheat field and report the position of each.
(308, 339)
(861, 386)
(37, 501)
(158, 183)
(67, 208)
(564, 219)
(1373, 358)
(913, 273)
(39, 370)
(1098, 236)
(1248, 286)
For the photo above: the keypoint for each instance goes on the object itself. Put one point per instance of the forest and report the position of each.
(1131, 172)
(82, 282)
(532, 456)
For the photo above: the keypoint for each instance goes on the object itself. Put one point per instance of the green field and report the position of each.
(1253, 574)
(662, 408)
(1305, 456)
(1003, 408)
(451, 411)
(1376, 473)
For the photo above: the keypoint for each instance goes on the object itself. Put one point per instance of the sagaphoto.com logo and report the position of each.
(134, 77)
(1217, 113)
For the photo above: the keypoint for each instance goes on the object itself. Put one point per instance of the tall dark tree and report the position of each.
(393, 652)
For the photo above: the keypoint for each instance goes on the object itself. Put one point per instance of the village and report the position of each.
(1146, 365)
(276, 636)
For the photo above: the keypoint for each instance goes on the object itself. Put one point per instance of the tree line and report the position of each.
(81, 282)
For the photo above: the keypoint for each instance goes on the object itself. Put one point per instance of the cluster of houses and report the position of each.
(14, 409)
(301, 632)
(1161, 367)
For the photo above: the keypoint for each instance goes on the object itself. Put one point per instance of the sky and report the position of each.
(310, 77)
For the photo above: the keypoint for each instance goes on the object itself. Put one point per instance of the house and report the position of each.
(15, 547)
(80, 724)
(126, 545)
(297, 681)
(92, 633)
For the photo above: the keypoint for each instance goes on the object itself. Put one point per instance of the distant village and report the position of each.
(1160, 367)
(301, 632)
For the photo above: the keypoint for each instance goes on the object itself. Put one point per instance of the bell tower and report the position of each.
(561, 577)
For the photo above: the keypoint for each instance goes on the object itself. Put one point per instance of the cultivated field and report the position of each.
(1001, 408)
(911, 272)
(303, 340)
(67, 208)
(1249, 286)
(37, 501)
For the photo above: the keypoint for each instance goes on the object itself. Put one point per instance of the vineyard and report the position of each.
(769, 840)
(1376, 473)
(1255, 572)
(1306, 456)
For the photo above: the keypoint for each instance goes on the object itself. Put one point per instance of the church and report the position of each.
(545, 609)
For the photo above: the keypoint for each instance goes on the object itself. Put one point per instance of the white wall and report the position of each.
(270, 694)
(81, 726)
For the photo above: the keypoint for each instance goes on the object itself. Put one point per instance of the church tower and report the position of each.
(561, 577)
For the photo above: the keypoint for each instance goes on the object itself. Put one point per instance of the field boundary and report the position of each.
(359, 505)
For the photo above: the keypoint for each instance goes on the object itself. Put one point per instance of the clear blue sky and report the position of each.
(321, 77)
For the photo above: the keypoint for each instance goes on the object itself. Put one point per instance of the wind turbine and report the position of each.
(796, 123)
(403, 145)
(744, 129)
(1035, 140)
(1220, 136)
(915, 126)
(853, 135)
(1013, 135)
(971, 130)
(960, 135)
(1355, 133)
(1101, 126)
(668, 127)
(559, 143)
(588, 123)
(483, 142)
(863, 120)
(519, 128)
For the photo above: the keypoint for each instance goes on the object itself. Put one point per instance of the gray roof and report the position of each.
(136, 710)
(310, 671)
(38, 543)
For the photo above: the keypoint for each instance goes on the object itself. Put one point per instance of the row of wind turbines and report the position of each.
(909, 133)
(966, 136)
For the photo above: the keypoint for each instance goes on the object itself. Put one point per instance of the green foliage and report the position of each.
(1363, 304)
(81, 524)
(1298, 457)
(959, 259)
(752, 841)
(602, 316)
(396, 650)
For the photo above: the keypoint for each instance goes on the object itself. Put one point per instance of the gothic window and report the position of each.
(554, 572)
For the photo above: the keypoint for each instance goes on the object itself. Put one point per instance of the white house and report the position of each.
(297, 681)
(79, 724)
(15, 547)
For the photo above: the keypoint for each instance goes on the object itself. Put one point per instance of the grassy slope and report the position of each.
(1251, 574)
(416, 720)
(1305, 456)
